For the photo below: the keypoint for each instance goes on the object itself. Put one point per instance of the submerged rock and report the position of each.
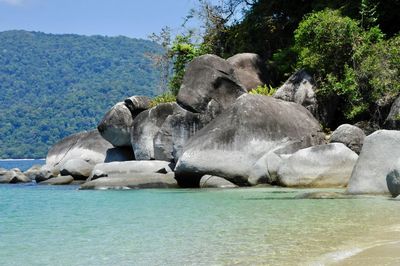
(132, 181)
(378, 157)
(323, 195)
(249, 69)
(234, 141)
(351, 136)
(328, 165)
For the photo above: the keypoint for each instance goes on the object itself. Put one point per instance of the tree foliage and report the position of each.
(54, 85)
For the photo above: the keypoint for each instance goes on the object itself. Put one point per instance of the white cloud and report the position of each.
(13, 2)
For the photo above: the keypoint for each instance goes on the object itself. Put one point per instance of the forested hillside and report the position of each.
(54, 85)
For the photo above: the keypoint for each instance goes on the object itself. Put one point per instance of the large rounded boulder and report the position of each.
(351, 136)
(146, 126)
(328, 165)
(77, 168)
(377, 159)
(137, 104)
(249, 69)
(233, 142)
(116, 125)
(209, 86)
(89, 146)
(176, 130)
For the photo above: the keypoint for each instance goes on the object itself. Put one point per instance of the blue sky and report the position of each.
(133, 18)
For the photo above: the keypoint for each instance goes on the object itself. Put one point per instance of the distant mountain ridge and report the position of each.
(54, 85)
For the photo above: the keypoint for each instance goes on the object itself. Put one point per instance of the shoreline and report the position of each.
(382, 249)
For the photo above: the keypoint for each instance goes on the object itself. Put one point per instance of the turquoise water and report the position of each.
(22, 164)
(259, 226)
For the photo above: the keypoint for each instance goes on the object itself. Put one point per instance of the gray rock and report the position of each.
(393, 119)
(19, 178)
(299, 88)
(176, 130)
(368, 127)
(209, 181)
(44, 173)
(265, 170)
(146, 126)
(77, 168)
(97, 174)
(5, 176)
(378, 157)
(89, 146)
(234, 141)
(351, 136)
(137, 104)
(13, 176)
(116, 125)
(209, 86)
(59, 180)
(132, 181)
(323, 195)
(393, 181)
(328, 165)
(130, 167)
(33, 171)
(249, 69)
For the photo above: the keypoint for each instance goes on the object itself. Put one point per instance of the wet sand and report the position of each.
(382, 254)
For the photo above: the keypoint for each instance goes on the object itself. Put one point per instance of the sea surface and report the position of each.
(61, 225)
(22, 164)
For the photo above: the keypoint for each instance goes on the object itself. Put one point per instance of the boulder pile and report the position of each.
(217, 135)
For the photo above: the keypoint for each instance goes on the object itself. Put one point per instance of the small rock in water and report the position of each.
(323, 195)
(60, 180)
(209, 181)
(393, 182)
